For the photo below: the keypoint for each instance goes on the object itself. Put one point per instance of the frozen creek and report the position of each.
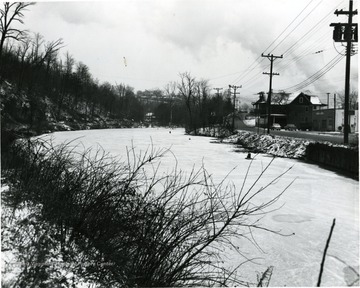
(309, 205)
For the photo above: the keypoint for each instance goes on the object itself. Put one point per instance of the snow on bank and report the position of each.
(280, 146)
(270, 144)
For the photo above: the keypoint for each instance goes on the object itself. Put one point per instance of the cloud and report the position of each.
(209, 38)
(187, 25)
(75, 13)
(193, 25)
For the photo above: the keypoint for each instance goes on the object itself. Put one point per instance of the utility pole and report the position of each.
(233, 116)
(218, 111)
(334, 111)
(218, 91)
(328, 95)
(271, 58)
(346, 32)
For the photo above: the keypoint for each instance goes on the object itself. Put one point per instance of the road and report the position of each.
(333, 137)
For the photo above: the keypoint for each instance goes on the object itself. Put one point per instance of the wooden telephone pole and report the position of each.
(346, 32)
(271, 58)
(233, 116)
(218, 91)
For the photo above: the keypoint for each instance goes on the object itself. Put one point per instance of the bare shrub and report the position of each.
(126, 224)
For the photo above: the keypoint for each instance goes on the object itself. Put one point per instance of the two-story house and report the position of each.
(300, 110)
(284, 110)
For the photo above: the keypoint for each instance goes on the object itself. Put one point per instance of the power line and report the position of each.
(316, 26)
(307, 52)
(249, 72)
(316, 75)
(245, 74)
(239, 78)
(313, 78)
(288, 26)
(297, 26)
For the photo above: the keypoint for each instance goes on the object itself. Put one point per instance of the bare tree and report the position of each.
(202, 96)
(280, 98)
(151, 229)
(187, 89)
(12, 12)
(169, 91)
(120, 90)
(44, 53)
(69, 63)
(195, 94)
(353, 99)
(51, 50)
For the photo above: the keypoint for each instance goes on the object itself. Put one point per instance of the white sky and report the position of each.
(218, 40)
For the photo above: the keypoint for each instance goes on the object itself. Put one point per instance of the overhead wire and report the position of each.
(310, 33)
(288, 26)
(317, 25)
(307, 35)
(302, 20)
(237, 80)
(312, 10)
(310, 50)
(315, 76)
(331, 64)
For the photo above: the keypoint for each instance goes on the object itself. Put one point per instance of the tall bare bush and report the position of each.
(126, 224)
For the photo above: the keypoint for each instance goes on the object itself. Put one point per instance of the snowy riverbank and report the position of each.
(342, 158)
(270, 144)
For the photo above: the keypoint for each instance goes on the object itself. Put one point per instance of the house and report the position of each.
(277, 111)
(285, 110)
(300, 110)
(149, 117)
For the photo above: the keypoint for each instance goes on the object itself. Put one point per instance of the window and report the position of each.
(301, 100)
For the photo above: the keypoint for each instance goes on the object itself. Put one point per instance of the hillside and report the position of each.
(21, 117)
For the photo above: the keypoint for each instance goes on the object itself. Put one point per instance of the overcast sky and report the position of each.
(218, 40)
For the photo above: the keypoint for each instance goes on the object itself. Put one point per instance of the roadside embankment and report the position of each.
(270, 144)
(332, 156)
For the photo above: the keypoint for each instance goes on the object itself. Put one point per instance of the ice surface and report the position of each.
(310, 204)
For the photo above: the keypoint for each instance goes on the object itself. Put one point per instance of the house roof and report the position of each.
(313, 99)
(281, 98)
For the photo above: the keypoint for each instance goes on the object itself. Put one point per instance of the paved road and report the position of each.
(332, 137)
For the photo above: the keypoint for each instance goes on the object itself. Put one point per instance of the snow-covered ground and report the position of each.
(309, 205)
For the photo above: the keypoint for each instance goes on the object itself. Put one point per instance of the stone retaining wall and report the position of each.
(343, 158)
